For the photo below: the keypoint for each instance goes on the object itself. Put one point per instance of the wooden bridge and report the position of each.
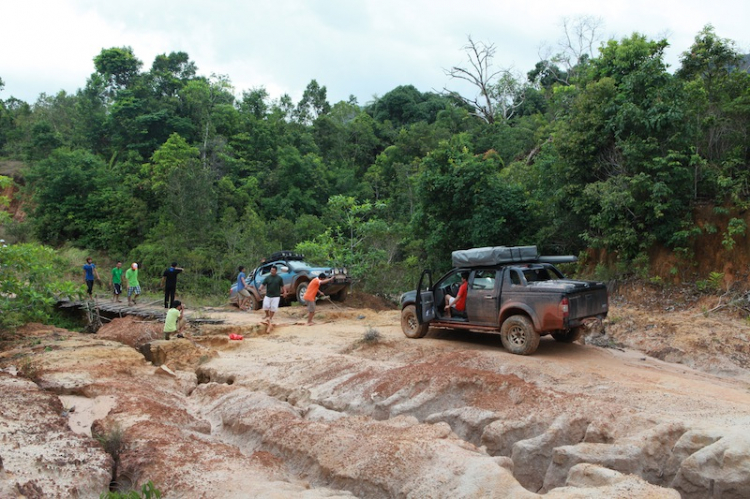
(108, 309)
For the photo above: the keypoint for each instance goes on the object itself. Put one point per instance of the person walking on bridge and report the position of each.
(116, 281)
(89, 273)
(134, 287)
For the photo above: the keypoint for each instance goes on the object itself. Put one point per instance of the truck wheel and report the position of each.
(341, 295)
(518, 335)
(252, 303)
(301, 290)
(410, 325)
(568, 335)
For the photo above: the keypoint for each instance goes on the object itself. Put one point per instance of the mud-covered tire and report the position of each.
(410, 325)
(253, 303)
(568, 335)
(341, 295)
(518, 335)
(301, 290)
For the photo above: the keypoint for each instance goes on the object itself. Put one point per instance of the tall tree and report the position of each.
(119, 66)
(626, 143)
(463, 202)
(313, 104)
(718, 82)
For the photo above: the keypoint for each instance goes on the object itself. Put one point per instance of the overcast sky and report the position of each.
(363, 48)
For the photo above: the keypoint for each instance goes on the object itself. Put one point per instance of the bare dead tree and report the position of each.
(580, 35)
(580, 38)
(510, 93)
(481, 75)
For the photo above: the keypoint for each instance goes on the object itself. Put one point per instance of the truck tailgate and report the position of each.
(590, 301)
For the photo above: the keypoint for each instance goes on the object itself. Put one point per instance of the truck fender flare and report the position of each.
(516, 308)
(296, 282)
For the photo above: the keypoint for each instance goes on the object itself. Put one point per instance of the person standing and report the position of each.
(116, 281)
(173, 322)
(272, 285)
(313, 290)
(89, 272)
(243, 295)
(134, 287)
(169, 283)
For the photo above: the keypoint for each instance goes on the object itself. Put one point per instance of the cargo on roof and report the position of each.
(494, 255)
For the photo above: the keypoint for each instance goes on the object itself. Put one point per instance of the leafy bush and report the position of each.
(371, 336)
(148, 491)
(31, 281)
(714, 282)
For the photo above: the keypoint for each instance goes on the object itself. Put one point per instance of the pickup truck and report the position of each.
(511, 291)
(296, 274)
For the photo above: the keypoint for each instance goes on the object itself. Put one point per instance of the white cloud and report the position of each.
(364, 47)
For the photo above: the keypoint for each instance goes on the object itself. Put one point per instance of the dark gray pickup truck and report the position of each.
(512, 291)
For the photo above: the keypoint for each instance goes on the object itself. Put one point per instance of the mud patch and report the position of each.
(131, 331)
(81, 412)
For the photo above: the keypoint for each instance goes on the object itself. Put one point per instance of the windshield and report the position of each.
(298, 265)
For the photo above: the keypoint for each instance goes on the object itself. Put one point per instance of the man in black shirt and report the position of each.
(169, 282)
(273, 284)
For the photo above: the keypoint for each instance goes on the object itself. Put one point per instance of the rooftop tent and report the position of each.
(494, 255)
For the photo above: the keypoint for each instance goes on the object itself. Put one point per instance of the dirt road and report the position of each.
(351, 407)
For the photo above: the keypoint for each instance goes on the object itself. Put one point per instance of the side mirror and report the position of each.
(284, 269)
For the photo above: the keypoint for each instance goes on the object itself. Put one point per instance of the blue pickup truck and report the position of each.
(296, 274)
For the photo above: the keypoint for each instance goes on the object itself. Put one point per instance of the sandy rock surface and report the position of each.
(350, 407)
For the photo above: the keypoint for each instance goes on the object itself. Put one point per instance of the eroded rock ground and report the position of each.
(352, 408)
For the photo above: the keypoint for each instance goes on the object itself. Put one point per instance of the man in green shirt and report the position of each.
(173, 322)
(273, 284)
(134, 287)
(117, 282)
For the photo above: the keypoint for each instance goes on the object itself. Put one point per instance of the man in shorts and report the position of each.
(243, 295)
(313, 290)
(273, 284)
(457, 304)
(116, 282)
(134, 287)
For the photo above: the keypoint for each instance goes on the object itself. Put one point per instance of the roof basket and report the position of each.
(285, 255)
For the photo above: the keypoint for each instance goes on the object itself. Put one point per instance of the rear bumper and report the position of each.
(587, 321)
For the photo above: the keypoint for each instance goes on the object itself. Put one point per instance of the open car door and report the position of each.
(425, 304)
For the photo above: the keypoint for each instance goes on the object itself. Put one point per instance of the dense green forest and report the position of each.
(607, 150)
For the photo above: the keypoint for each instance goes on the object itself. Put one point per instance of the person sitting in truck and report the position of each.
(457, 305)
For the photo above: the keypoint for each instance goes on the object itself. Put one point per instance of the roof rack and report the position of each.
(285, 255)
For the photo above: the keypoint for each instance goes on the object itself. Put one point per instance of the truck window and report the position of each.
(536, 275)
(554, 273)
(514, 277)
(483, 279)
